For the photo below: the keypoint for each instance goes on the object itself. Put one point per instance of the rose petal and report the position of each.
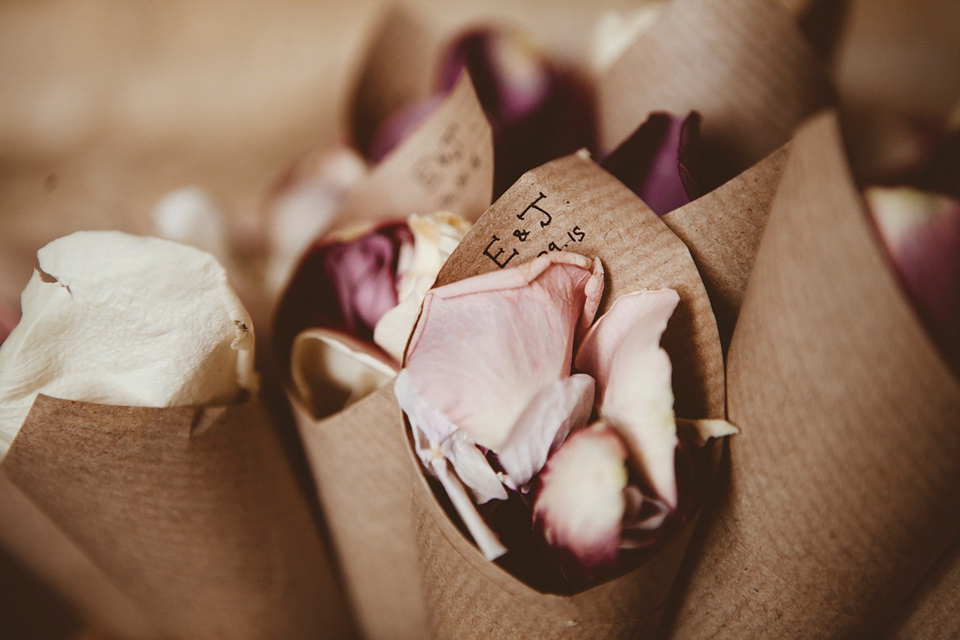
(553, 413)
(399, 125)
(485, 346)
(485, 538)
(658, 161)
(331, 370)
(633, 375)
(615, 32)
(581, 503)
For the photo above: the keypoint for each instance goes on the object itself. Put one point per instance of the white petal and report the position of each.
(473, 469)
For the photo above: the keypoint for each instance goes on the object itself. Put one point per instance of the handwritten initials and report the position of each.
(496, 256)
(533, 205)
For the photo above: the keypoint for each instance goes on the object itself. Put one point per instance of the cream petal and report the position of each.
(559, 408)
(485, 346)
(485, 538)
(473, 469)
(634, 381)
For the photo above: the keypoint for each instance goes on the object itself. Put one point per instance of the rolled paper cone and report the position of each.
(445, 164)
(399, 68)
(722, 229)
(843, 481)
(744, 65)
(40, 546)
(933, 610)
(192, 513)
(364, 478)
(571, 201)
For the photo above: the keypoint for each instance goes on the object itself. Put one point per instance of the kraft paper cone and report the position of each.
(193, 513)
(933, 611)
(446, 164)
(572, 204)
(843, 484)
(722, 230)
(358, 456)
(743, 64)
(38, 544)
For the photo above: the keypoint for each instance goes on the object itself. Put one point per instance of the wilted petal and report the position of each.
(485, 346)
(922, 234)
(622, 352)
(553, 413)
(581, 503)
(332, 370)
(658, 161)
(435, 236)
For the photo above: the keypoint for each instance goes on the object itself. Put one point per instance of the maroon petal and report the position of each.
(658, 161)
(399, 125)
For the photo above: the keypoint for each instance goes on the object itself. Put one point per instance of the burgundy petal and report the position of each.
(658, 161)
(396, 127)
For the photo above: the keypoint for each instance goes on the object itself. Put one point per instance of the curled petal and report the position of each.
(552, 414)
(485, 346)
(332, 370)
(473, 468)
(581, 503)
(622, 352)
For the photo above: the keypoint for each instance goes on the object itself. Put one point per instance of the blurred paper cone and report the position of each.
(744, 65)
(191, 513)
(572, 204)
(843, 489)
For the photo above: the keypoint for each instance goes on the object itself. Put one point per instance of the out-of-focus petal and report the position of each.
(552, 414)
(8, 320)
(706, 428)
(922, 234)
(622, 352)
(190, 216)
(485, 346)
(658, 161)
(435, 236)
(331, 370)
(397, 126)
(581, 503)
(615, 32)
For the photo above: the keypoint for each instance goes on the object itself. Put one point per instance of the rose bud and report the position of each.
(302, 205)
(658, 162)
(582, 499)
(922, 234)
(521, 401)
(539, 108)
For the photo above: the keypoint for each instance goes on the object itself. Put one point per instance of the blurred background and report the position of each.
(107, 106)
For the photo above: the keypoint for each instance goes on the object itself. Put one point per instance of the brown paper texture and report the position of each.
(572, 204)
(35, 541)
(722, 230)
(933, 610)
(363, 476)
(446, 164)
(743, 64)
(192, 513)
(843, 485)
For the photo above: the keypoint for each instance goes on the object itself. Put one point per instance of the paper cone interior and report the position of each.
(363, 476)
(194, 514)
(571, 204)
(722, 229)
(37, 543)
(744, 65)
(843, 488)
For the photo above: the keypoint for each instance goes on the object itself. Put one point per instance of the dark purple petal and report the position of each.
(399, 125)
(658, 161)
(8, 320)
(539, 109)
(343, 285)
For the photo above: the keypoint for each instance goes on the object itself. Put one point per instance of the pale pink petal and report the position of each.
(581, 503)
(553, 413)
(423, 416)
(473, 468)
(634, 381)
(485, 346)
(485, 538)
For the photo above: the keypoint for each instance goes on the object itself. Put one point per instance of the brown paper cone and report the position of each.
(446, 164)
(933, 610)
(363, 477)
(572, 204)
(722, 230)
(38, 544)
(843, 488)
(743, 64)
(192, 513)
